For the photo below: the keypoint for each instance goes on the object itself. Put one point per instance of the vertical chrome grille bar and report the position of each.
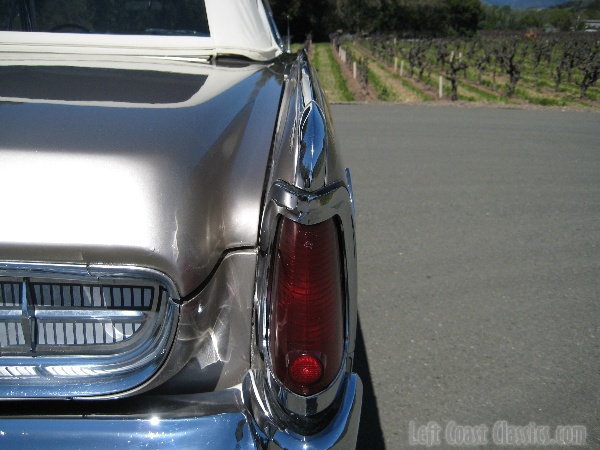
(28, 324)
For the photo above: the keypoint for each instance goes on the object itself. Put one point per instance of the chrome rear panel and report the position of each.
(81, 334)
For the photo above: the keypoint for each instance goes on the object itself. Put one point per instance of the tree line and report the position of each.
(567, 17)
(419, 18)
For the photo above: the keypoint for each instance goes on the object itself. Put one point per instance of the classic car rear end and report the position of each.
(177, 254)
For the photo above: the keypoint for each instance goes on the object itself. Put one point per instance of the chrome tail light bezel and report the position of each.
(306, 208)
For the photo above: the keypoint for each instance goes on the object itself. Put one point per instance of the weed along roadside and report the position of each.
(333, 81)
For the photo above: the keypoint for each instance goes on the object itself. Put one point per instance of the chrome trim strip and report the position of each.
(94, 271)
(350, 191)
(66, 314)
(87, 315)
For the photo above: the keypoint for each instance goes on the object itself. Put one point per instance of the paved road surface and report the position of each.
(479, 259)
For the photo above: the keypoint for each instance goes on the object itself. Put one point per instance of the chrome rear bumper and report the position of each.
(215, 420)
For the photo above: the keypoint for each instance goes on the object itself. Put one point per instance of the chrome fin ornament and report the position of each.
(312, 148)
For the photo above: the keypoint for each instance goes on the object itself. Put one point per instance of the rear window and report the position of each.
(80, 84)
(165, 17)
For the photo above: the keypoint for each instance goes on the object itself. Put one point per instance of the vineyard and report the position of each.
(559, 70)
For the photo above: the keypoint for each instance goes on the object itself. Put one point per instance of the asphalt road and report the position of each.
(479, 273)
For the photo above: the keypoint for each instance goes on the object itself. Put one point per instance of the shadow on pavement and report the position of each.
(370, 434)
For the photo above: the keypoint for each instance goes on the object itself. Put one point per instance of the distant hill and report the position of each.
(523, 4)
(582, 5)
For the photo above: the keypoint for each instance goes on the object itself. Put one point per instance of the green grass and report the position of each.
(407, 84)
(330, 75)
(384, 93)
(542, 101)
(295, 48)
(341, 84)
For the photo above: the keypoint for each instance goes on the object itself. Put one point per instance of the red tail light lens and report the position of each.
(307, 307)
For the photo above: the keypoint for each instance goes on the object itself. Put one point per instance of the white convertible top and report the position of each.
(237, 27)
(242, 25)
